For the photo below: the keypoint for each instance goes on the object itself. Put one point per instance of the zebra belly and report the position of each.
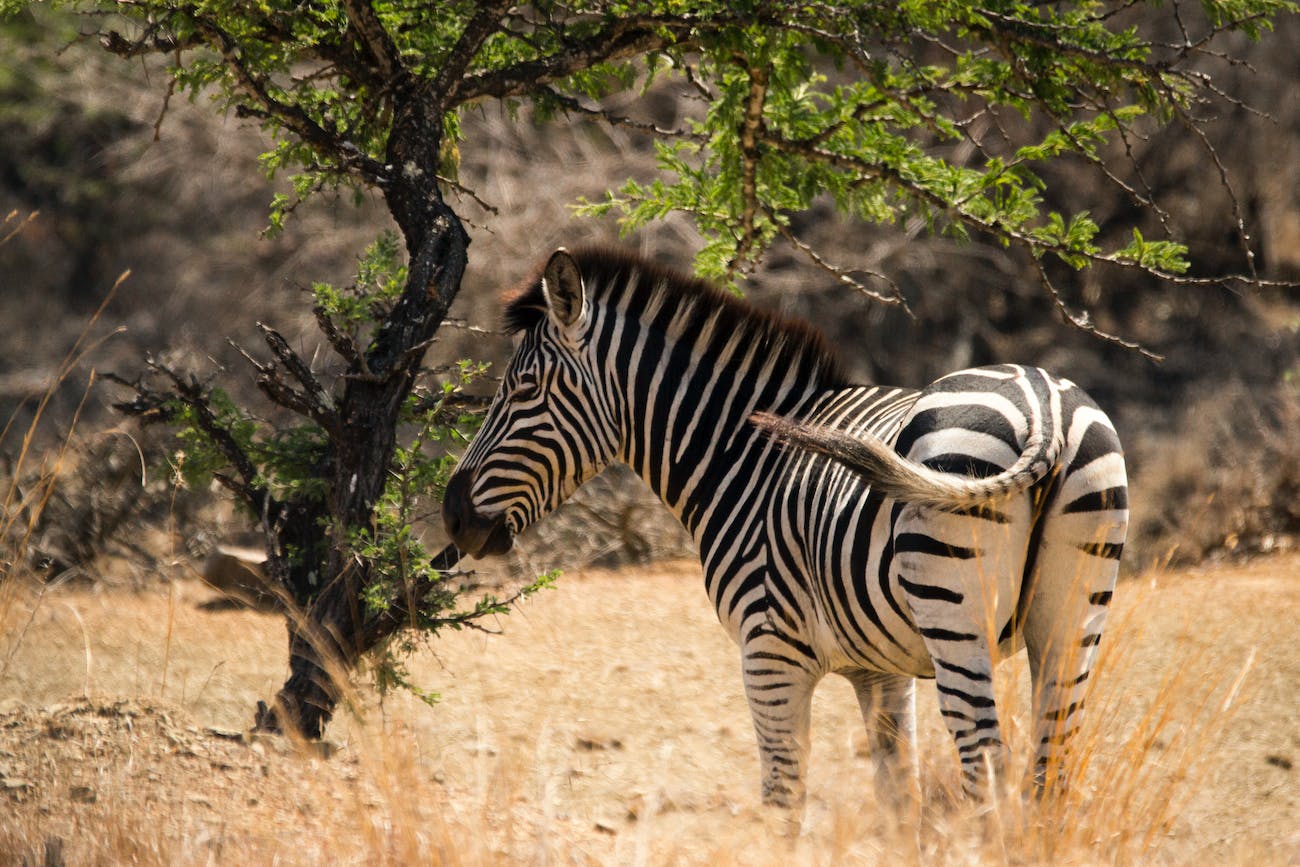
(833, 539)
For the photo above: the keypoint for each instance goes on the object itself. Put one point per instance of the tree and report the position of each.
(862, 103)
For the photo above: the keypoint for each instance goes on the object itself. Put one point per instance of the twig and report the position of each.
(1081, 320)
(844, 276)
(618, 120)
(22, 224)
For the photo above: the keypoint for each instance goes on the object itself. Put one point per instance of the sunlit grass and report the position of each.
(496, 774)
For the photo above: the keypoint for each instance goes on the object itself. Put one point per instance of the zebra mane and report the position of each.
(657, 294)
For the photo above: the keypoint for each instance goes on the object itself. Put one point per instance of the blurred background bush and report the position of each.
(124, 177)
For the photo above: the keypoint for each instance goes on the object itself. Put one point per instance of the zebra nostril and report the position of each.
(454, 504)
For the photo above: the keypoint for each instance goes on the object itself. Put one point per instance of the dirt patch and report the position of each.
(608, 725)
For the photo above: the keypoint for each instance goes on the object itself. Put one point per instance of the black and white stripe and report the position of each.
(879, 533)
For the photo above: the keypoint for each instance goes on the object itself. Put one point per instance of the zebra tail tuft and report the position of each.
(895, 476)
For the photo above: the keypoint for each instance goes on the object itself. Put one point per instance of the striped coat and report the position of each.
(882, 534)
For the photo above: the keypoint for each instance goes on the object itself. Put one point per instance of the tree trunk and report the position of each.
(328, 639)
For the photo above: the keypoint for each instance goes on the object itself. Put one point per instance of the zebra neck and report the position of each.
(687, 431)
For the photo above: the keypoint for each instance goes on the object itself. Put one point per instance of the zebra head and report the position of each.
(548, 429)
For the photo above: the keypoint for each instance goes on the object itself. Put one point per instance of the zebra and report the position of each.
(880, 533)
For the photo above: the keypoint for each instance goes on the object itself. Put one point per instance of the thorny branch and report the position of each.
(344, 344)
(150, 405)
(1083, 322)
(319, 406)
(845, 275)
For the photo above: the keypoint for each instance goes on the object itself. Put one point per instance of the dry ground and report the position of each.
(607, 725)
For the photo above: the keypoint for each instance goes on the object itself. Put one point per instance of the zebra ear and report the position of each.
(562, 287)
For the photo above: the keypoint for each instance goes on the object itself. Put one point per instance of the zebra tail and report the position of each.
(895, 476)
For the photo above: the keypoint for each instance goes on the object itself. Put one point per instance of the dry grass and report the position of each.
(608, 725)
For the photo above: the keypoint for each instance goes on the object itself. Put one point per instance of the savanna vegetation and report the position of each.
(1107, 191)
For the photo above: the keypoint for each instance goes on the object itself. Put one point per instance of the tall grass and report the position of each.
(388, 794)
(32, 470)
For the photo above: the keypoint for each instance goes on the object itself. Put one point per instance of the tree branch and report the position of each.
(751, 133)
(844, 275)
(151, 406)
(344, 344)
(445, 88)
(292, 116)
(374, 38)
(319, 405)
(622, 39)
(1083, 322)
(570, 104)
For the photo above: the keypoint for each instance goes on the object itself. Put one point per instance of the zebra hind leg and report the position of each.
(948, 567)
(1076, 564)
(888, 703)
(1067, 610)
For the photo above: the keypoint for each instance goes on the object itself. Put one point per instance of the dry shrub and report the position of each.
(109, 515)
(1226, 483)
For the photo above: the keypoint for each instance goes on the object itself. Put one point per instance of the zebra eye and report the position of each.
(525, 391)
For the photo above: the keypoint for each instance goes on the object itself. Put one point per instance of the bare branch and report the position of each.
(296, 366)
(617, 120)
(1243, 237)
(344, 344)
(19, 225)
(452, 322)
(462, 190)
(1083, 322)
(270, 384)
(845, 275)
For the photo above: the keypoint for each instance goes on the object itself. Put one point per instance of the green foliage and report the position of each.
(861, 120)
(292, 460)
(883, 108)
(289, 459)
(380, 279)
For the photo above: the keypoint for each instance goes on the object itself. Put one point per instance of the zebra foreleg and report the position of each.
(779, 691)
(888, 703)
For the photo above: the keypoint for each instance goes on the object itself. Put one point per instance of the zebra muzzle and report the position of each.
(473, 532)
